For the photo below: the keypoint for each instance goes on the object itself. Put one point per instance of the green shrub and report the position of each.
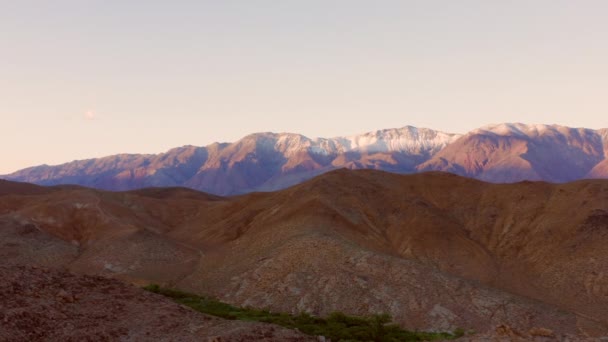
(337, 326)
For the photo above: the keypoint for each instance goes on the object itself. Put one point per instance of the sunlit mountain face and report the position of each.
(269, 161)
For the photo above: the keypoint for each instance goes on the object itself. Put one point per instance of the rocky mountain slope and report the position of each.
(49, 305)
(262, 161)
(515, 152)
(268, 161)
(435, 250)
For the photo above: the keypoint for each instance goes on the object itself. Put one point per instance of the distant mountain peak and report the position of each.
(529, 130)
(504, 152)
(407, 139)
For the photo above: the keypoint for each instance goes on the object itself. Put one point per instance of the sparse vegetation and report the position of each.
(337, 326)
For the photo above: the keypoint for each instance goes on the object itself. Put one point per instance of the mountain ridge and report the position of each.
(356, 241)
(267, 161)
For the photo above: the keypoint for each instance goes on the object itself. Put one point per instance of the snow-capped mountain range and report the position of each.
(269, 161)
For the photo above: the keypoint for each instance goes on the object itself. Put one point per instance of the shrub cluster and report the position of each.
(337, 326)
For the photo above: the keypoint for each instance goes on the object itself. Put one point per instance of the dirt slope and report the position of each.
(436, 251)
(46, 305)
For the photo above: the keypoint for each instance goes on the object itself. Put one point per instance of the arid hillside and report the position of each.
(435, 250)
(47, 305)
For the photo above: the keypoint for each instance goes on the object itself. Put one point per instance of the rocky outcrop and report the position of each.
(47, 305)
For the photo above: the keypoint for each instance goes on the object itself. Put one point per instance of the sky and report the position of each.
(87, 78)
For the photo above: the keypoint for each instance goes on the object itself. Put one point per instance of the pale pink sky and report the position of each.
(90, 78)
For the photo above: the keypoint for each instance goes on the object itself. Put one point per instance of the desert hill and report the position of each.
(16, 188)
(435, 250)
(48, 305)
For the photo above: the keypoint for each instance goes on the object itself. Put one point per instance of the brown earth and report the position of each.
(49, 305)
(434, 250)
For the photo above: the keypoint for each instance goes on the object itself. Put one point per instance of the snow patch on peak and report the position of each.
(290, 144)
(604, 136)
(406, 139)
(522, 130)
